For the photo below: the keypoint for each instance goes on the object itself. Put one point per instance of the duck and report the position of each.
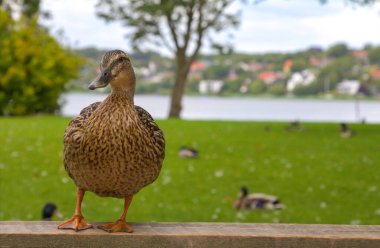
(187, 152)
(50, 210)
(113, 148)
(345, 131)
(256, 201)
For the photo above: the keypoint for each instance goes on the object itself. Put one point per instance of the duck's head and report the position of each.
(49, 210)
(115, 70)
(241, 198)
(243, 192)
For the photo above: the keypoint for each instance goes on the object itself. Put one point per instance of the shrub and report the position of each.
(34, 68)
(277, 89)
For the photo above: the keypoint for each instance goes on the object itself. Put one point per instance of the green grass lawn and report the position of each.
(319, 176)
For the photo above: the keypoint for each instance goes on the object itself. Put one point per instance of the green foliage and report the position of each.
(374, 55)
(258, 87)
(338, 50)
(27, 8)
(153, 88)
(230, 87)
(300, 64)
(216, 72)
(160, 22)
(34, 68)
(277, 89)
(192, 86)
(179, 26)
(337, 71)
(307, 90)
(319, 176)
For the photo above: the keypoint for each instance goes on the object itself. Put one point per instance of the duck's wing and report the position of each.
(152, 127)
(73, 132)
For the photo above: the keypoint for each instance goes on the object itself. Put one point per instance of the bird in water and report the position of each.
(113, 148)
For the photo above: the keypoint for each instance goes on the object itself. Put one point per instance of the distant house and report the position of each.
(375, 72)
(197, 66)
(287, 66)
(304, 78)
(244, 87)
(269, 77)
(210, 86)
(232, 75)
(348, 87)
(360, 54)
(251, 66)
(319, 62)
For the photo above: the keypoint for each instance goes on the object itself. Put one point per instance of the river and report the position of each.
(247, 109)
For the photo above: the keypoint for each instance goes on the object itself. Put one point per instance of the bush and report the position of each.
(230, 87)
(311, 89)
(258, 87)
(277, 89)
(34, 68)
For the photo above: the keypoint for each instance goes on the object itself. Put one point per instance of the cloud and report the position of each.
(274, 25)
(82, 27)
(292, 25)
(355, 26)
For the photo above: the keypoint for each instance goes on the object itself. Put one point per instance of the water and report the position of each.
(221, 108)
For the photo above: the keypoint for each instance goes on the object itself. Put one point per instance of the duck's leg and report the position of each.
(77, 222)
(120, 225)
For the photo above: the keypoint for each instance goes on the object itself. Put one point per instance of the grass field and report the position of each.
(319, 176)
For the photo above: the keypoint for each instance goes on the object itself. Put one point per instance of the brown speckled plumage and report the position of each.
(114, 148)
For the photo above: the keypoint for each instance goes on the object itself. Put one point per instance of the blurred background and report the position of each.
(270, 108)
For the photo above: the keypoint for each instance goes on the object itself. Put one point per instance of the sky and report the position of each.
(271, 26)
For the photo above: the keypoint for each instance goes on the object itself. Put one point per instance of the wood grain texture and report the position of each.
(46, 234)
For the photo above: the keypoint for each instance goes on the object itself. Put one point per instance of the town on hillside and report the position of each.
(337, 71)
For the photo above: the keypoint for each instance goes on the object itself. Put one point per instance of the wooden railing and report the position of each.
(46, 234)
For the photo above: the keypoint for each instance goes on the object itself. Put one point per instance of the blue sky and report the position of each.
(271, 26)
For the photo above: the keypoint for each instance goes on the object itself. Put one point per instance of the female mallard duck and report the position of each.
(256, 201)
(113, 148)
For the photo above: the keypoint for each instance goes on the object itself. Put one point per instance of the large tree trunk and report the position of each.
(182, 71)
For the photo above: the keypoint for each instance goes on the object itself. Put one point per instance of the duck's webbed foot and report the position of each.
(76, 223)
(117, 226)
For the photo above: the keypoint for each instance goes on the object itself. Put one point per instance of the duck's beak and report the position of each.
(101, 80)
(58, 214)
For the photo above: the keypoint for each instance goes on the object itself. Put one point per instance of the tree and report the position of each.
(338, 50)
(374, 55)
(258, 87)
(337, 71)
(181, 26)
(23, 8)
(34, 68)
(311, 89)
(277, 89)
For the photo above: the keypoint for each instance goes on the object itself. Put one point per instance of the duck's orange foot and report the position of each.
(117, 226)
(77, 223)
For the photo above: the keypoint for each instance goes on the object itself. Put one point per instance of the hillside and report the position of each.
(336, 71)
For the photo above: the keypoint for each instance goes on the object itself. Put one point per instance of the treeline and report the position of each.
(254, 74)
(269, 74)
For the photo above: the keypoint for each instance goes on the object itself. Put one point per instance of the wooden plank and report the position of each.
(46, 234)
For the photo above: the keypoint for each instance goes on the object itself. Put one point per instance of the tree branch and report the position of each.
(164, 41)
(173, 30)
(200, 31)
(188, 32)
(217, 15)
